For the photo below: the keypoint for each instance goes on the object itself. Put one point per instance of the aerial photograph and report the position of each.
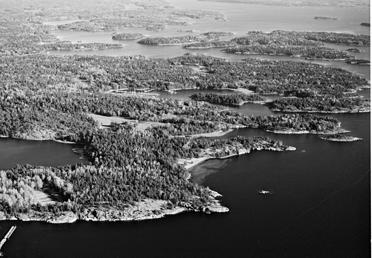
(185, 128)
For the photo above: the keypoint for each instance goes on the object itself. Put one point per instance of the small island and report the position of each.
(127, 36)
(325, 18)
(210, 44)
(164, 41)
(355, 61)
(353, 50)
(340, 138)
(186, 39)
(217, 34)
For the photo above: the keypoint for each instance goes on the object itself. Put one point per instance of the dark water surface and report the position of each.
(43, 153)
(320, 208)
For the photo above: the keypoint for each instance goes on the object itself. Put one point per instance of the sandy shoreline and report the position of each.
(211, 134)
(243, 90)
(192, 162)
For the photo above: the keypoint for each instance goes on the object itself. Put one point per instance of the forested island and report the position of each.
(325, 18)
(355, 61)
(161, 41)
(207, 37)
(353, 50)
(307, 45)
(138, 157)
(127, 36)
(210, 44)
(340, 138)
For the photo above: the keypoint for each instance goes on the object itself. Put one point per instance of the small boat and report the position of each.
(264, 192)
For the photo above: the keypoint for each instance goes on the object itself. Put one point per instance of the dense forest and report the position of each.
(139, 164)
(126, 168)
(295, 51)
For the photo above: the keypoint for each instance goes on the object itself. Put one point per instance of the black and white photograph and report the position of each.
(185, 129)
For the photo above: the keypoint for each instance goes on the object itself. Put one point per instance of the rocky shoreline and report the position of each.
(144, 210)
